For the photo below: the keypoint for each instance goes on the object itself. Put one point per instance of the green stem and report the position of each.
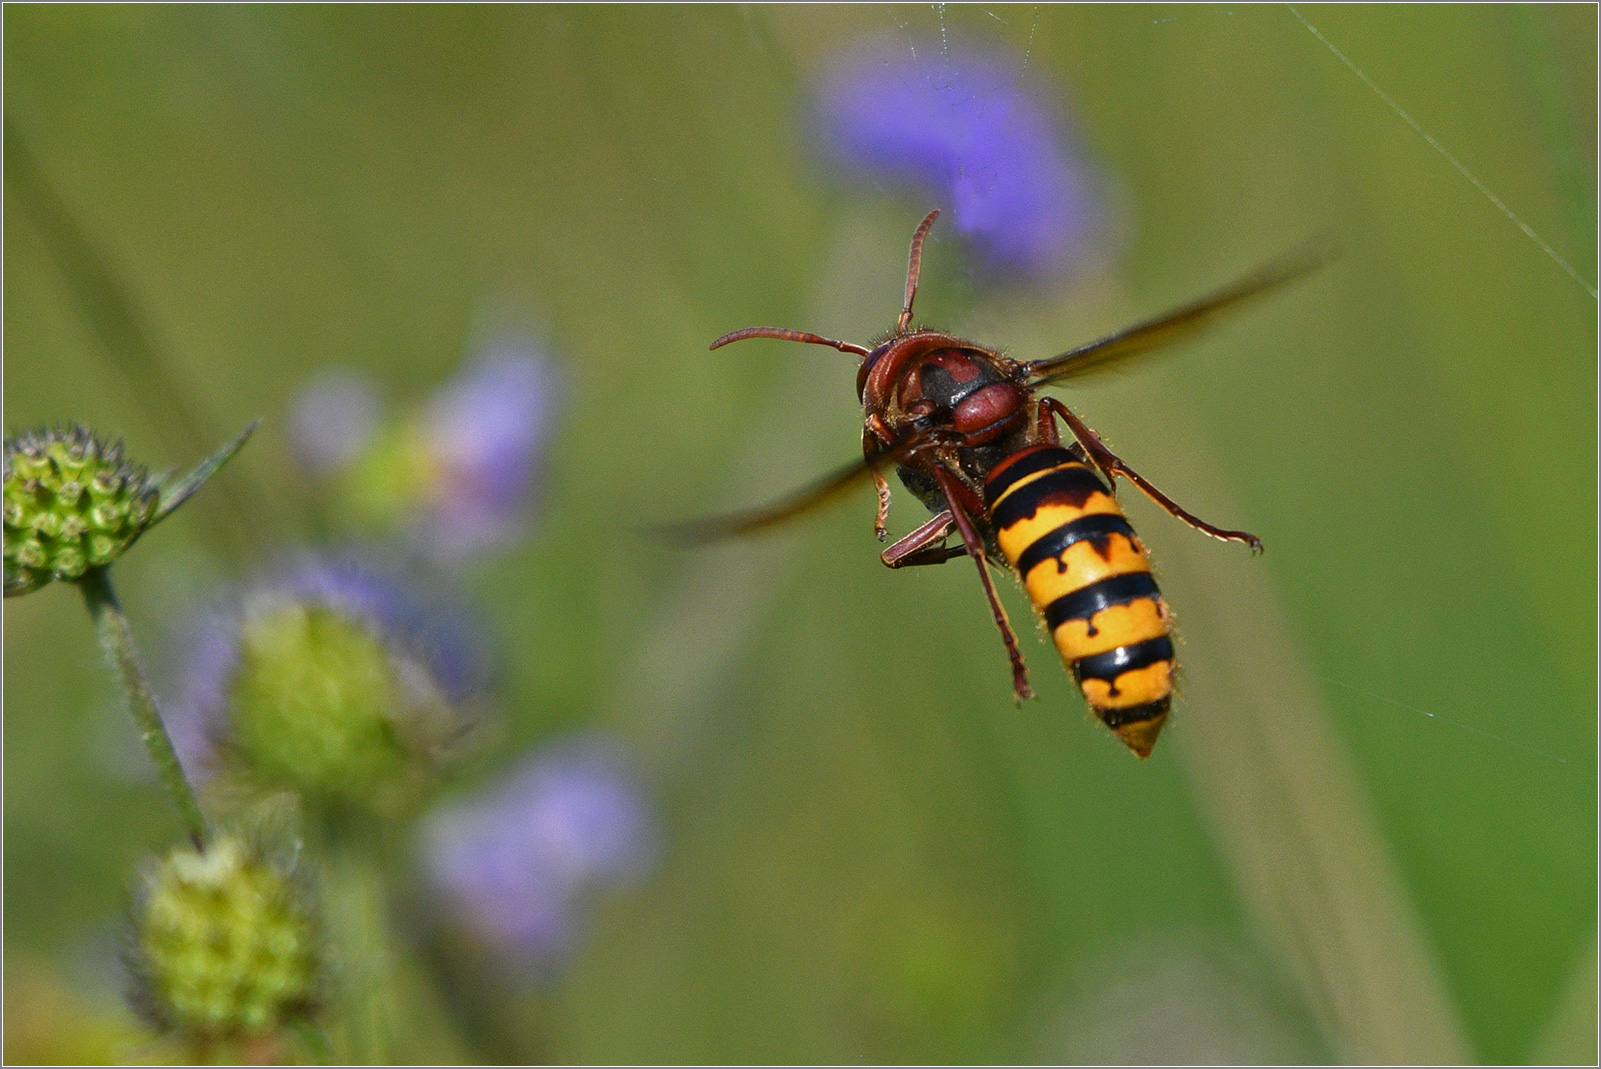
(386, 1004)
(117, 640)
(366, 1007)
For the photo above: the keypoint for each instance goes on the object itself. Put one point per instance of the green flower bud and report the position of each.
(47, 525)
(105, 484)
(323, 706)
(29, 555)
(73, 503)
(69, 492)
(70, 559)
(53, 529)
(224, 944)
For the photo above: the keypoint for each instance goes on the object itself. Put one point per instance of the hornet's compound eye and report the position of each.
(867, 369)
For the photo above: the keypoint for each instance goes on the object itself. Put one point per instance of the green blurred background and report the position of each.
(1370, 831)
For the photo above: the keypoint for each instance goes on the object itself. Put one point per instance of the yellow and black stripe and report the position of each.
(1086, 571)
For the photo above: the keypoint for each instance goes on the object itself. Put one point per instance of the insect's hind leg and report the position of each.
(1047, 434)
(1112, 465)
(926, 545)
(973, 546)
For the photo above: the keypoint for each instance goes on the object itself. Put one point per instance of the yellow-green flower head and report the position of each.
(71, 503)
(319, 704)
(225, 945)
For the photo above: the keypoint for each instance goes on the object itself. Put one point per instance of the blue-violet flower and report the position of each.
(459, 476)
(964, 128)
(519, 862)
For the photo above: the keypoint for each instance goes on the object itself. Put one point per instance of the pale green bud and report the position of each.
(224, 944)
(323, 706)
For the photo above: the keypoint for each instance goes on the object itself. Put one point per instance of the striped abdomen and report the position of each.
(1087, 572)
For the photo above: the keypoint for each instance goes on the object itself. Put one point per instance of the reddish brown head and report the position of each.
(933, 379)
(926, 378)
(922, 380)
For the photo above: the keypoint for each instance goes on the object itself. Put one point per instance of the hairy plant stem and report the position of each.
(117, 640)
(385, 1003)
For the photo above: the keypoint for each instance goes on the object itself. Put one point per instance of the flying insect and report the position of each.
(969, 434)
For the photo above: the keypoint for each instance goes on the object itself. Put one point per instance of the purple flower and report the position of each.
(456, 478)
(422, 628)
(962, 127)
(487, 430)
(518, 863)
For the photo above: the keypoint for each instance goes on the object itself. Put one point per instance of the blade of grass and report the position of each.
(1313, 868)
(1568, 1036)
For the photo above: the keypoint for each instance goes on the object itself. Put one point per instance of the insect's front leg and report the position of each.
(881, 520)
(1111, 464)
(926, 545)
(877, 430)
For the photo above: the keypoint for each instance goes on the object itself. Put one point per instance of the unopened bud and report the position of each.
(53, 529)
(225, 945)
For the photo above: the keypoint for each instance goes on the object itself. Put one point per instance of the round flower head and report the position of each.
(224, 944)
(517, 862)
(332, 680)
(71, 503)
(961, 126)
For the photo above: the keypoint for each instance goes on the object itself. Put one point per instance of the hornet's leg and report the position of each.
(881, 521)
(876, 431)
(1110, 463)
(926, 545)
(1046, 434)
(975, 549)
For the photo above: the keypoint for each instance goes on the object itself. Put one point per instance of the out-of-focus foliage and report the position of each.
(1370, 830)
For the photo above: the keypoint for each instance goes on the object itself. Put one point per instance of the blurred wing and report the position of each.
(1180, 323)
(824, 490)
